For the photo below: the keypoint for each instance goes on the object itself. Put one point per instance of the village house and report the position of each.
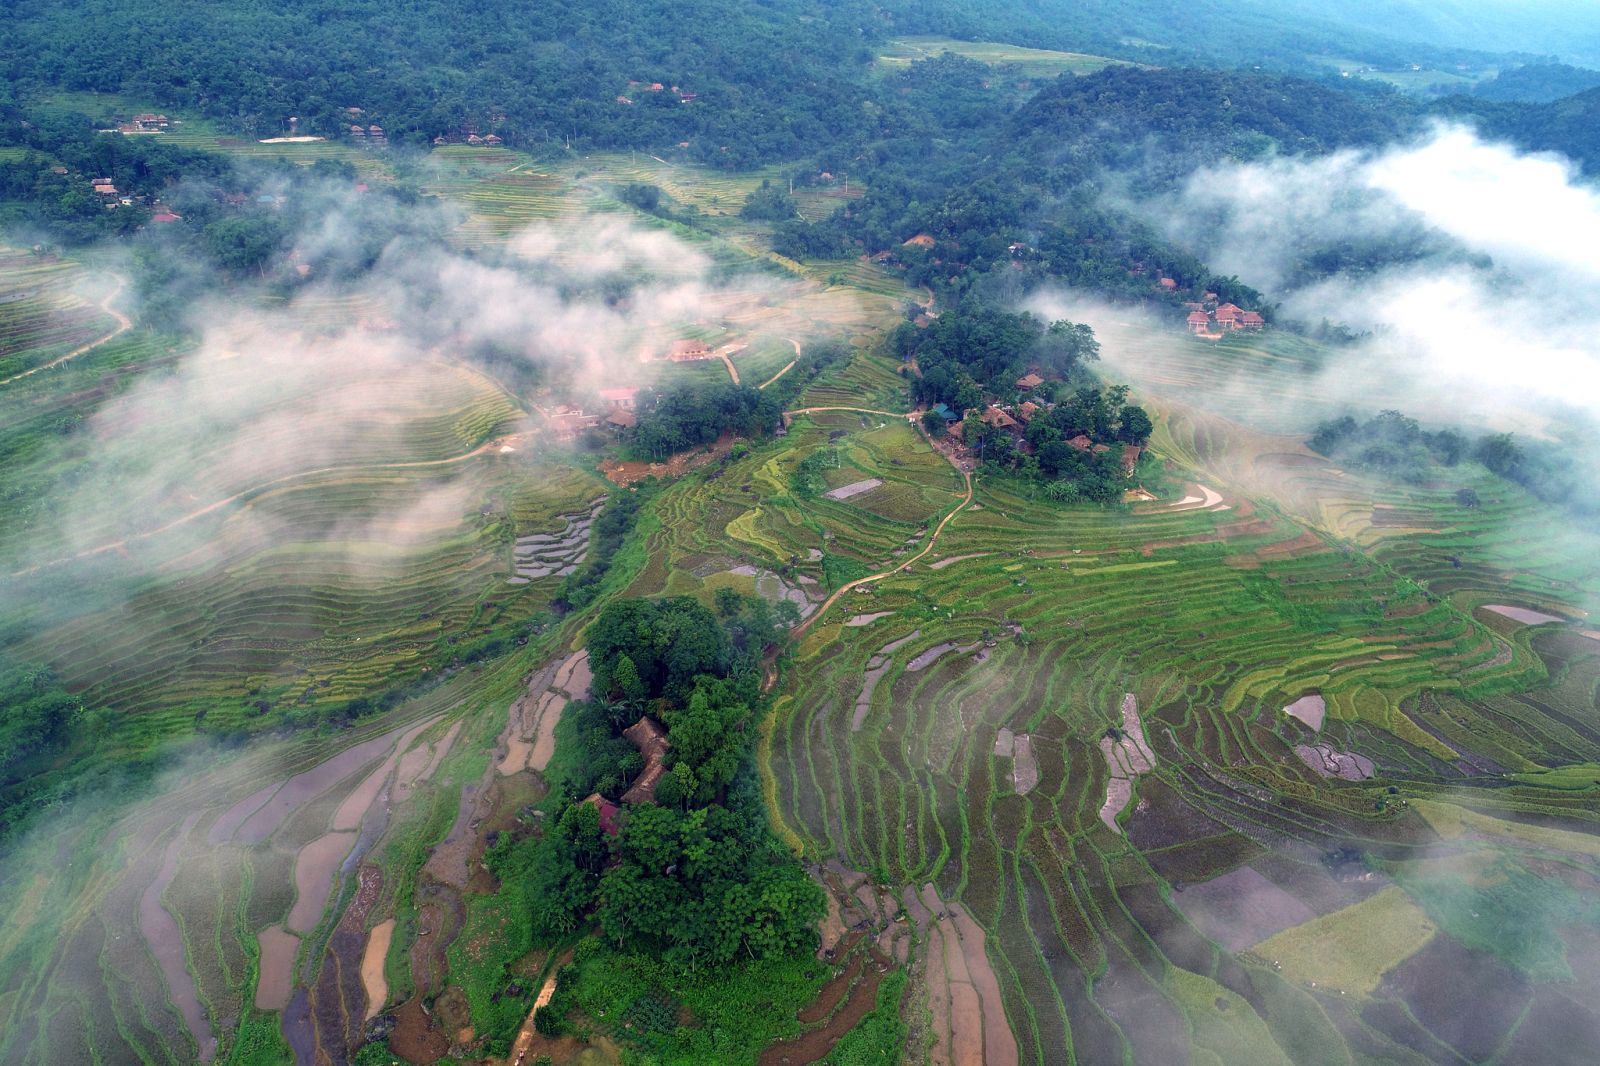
(1027, 411)
(1130, 458)
(609, 822)
(921, 240)
(620, 418)
(1028, 381)
(1167, 285)
(626, 399)
(651, 739)
(1227, 318)
(993, 416)
(146, 123)
(688, 349)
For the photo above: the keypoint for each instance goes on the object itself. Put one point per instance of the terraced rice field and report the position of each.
(210, 872)
(942, 725)
(49, 307)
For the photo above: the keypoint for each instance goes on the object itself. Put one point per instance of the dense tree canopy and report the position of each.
(695, 876)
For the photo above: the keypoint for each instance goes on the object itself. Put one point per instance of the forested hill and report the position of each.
(765, 80)
(739, 82)
(1121, 113)
(1570, 126)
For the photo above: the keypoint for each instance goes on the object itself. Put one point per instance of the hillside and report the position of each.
(757, 534)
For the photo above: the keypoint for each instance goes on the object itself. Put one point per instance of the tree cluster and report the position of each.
(977, 348)
(1077, 446)
(697, 876)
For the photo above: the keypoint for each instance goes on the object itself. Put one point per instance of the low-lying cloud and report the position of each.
(1469, 265)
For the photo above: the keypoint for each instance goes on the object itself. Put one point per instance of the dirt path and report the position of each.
(786, 367)
(124, 323)
(932, 540)
(733, 371)
(862, 410)
(201, 512)
(525, 1035)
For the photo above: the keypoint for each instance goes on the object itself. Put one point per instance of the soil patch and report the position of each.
(855, 488)
(1311, 710)
(815, 1044)
(372, 977)
(1024, 766)
(1522, 614)
(953, 559)
(277, 968)
(627, 473)
(1241, 909)
(414, 1038)
(1329, 762)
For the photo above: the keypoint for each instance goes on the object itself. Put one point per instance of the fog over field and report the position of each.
(266, 395)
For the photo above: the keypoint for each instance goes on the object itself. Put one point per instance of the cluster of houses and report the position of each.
(371, 136)
(569, 420)
(1013, 419)
(1221, 319)
(684, 96)
(488, 140)
(113, 198)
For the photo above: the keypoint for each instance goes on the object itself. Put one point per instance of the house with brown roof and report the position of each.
(1251, 320)
(688, 348)
(623, 398)
(650, 738)
(1167, 285)
(621, 418)
(1130, 458)
(993, 416)
(1199, 322)
(1227, 317)
(1030, 380)
(921, 240)
(609, 813)
(1082, 443)
(1026, 412)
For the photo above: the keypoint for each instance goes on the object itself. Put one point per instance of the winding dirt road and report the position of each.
(124, 323)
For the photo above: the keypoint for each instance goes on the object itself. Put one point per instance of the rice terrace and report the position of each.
(798, 534)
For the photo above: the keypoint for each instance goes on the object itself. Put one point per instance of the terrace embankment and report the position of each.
(160, 931)
(529, 738)
(340, 1002)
